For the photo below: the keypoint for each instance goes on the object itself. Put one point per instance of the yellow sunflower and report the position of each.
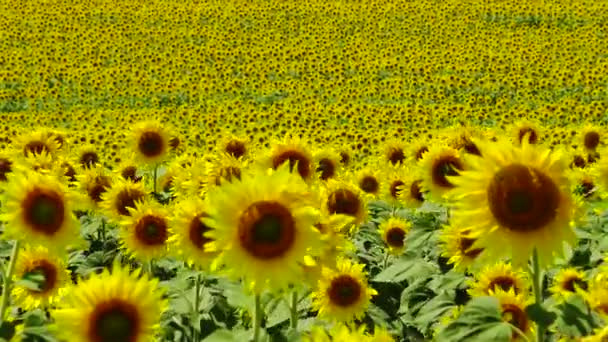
(37, 211)
(342, 294)
(515, 199)
(527, 131)
(340, 197)
(583, 184)
(224, 168)
(116, 306)
(46, 270)
(36, 142)
(395, 152)
(189, 238)
(263, 225)
(396, 178)
(327, 164)
(92, 184)
(411, 193)
(369, 180)
(457, 246)
(436, 166)
(87, 156)
(500, 276)
(191, 181)
(6, 165)
(129, 169)
(122, 195)
(513, 311)
(597, 294)
(295, 152)
(393, 232)
(567, 282)
(151, 141)
(235, 146)
(146, 231)
(590, 137)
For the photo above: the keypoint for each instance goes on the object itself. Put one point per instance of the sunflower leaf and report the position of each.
(539, 314)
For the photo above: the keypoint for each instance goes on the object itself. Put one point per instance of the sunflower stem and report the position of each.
(385, 261)
(257, 318)
(538, 294)
(155, 173)
(197, 289)
(294, 310)
(6, 290)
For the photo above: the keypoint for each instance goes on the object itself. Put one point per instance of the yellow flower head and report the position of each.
(393, 232)
(436, 165)
(500, 276)
(146, 231)
(151, 142)
(459, 247)
(568, 281)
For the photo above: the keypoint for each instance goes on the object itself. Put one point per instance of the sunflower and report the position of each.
(395, 152)
(46, 270)
(395, 182)
(515, 199)
(115, 306)
(597, 294)
(393, 232)
(457, 246)
(369, 180)
(224, 168)
(38, 211)
(462, 138)
(567, 282)
(6, 165)
(499, 276)
(590, 137)
(340, 197)
(513, 311)
(92, 184)
(411, 193)
(583, 183)
(526, 131)
(418, 149)
(36, 142)
(88, 156)
(146, 231)
(129, 169)
(235, 146)
(342, 294)
(436, 165)
(295, 152)
(327, 163)
(191, 181)
(122, 195)
(189, 238)
(150, 141)
(263, 225)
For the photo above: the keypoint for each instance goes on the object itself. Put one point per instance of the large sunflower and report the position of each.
(122, 195)
(342, 294)
(146, 231)
(436, 166)
(115, 306)
(46, 270)
(500, 276)
(38, 212)
(263, 225)
(150, 141)
(515, 199)
(294, 152)
(456, 245)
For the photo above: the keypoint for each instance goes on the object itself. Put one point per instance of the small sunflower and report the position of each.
(437, 165)
(418, 149)
(342, 294)
(294, 152)
(151, 141)
(129, 169)
(567, 282)
(122, 195)
(458, 247)
(393, 232)
(590, 137)
(327, 163)
(395, 152)
(340, 197)
(92, 184)
(6, 165)
(583, 184)
(411, 193)
(513, 311)
(146, 231)
(50, 275)
(396, 178)
(526, 131)
(499, 277)
(189, 238)
(263, 225)
(369, 180)
(116, 306)
(88, 156)
(516, 199)
(191, 181)
(38, 211)
(235, 146)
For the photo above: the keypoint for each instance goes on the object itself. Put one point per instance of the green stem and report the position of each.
(385, 262)
(149, 267)
(197, 289)
(294, 310)
(6, 290)
(257, 318)
(155, 172)
(538, 294)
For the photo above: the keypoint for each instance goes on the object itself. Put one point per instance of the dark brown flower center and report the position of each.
(327, 168)
(527, 132)
(294, 157)
(228, 173)
(344, 201)
(572, 283)
(235, 148)
(267, 230)
(89, 159)
(420, 152)
(471, 148)
(394, 188)
(465, 247)
(114, 321)
(130, 173)
(443, 167)
(151, 230)
(504, 283)
(578, 161)
(197, 230)
(126, 199)
(592, 139)
(344, 158)
(100, 185)
(44, 210)
(395, 237)
(522, 198)
(151, 144)
(395, 155)
(344, 291)
(515, 316)
(369, 184)
(35, 147)
(6, 166)
(46, 271)
(416, 191)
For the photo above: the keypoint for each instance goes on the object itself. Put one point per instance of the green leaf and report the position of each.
(405, 269)
(574, 318)
(433, 309)
(7, 330)
(539, 314)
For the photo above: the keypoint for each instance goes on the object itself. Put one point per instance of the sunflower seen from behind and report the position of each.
(111, 306)
(515, 200)
(263, 226)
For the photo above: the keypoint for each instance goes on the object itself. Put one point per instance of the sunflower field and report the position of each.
(266, 170)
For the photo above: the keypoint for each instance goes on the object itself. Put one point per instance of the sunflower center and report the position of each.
(344, 158)
(126, 199)
(416, 191)
(44, 210)
(89, 159)
(396, 155)
(100, 185)
(267, 230)
(327, 168)
(235, 148)
(6, 166)
(294, 157)
(130, 173)
(174, 142)
(504, 283)
(592, 139)
(35, 147)
(471, 148)
(578, 161)
(69, 172)
(523, 199)
(343, 201)
(151, 144)
(443, 167)
(369, 184)
(465, 247)
(572, 283)
(394, 188)
(197, 231)
(151, 230)
(421, 151)
(515, 315)
(114, 321)
(395, 237)
(530, 133)
(344, 291)
(48, 273)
